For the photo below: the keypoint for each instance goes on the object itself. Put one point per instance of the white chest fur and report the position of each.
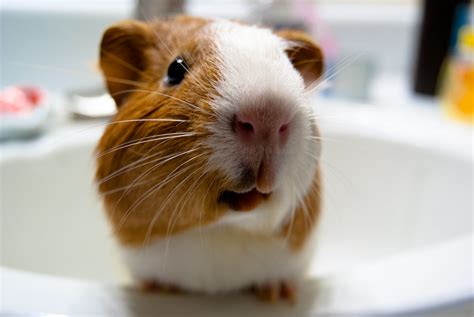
(218, 259)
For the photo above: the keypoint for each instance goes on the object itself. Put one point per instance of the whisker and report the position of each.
(175, 215)
(119, 189)
(124, 63)
(155, 188)
(134, 165)
(148, 171)
(201, 209)
(308, 61)
(170, 136)
(69, 135)
(78, 73)
(166, 201)
(324, 139)
(148, 193)
(290, 228)
(125, 81)
(342, 66)
(336, 172)
(163, 95)
(302, 202)
(139, 139)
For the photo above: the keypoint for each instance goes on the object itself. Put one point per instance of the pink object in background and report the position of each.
(20, 100)
(24, 112)
(309, 12)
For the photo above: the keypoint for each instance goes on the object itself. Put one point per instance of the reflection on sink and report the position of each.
(391, 203)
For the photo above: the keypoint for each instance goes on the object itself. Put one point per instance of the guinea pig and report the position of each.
(209, 172)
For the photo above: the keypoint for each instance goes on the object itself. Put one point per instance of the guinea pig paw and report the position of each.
(275, 291)
(153, 286)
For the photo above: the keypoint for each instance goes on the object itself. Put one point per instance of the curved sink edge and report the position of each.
(398, 284)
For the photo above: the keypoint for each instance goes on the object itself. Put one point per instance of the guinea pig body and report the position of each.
(210, 171)
(219, 259)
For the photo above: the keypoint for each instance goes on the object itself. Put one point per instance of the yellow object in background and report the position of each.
(458, 88)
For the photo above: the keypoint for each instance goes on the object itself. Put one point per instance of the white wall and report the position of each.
(54, 44)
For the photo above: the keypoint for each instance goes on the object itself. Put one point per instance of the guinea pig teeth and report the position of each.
(243, 201)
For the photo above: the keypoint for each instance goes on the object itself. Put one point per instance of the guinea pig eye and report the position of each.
(176, 71)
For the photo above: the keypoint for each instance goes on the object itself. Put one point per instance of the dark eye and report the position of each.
(176, 71)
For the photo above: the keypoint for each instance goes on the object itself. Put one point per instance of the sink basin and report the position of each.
(398, 195)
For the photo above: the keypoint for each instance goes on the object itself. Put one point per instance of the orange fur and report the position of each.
(306, 216)
(305, 55)
(134, 59)
(135, 222)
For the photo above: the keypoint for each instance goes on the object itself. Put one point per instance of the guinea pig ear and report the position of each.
(124, 52)
(304, 54)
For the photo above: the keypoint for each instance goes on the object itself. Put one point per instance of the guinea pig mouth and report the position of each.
(243, 201)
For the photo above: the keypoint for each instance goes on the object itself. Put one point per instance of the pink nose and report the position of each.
(263, 130)
(267, 130)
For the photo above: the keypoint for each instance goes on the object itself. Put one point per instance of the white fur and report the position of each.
(242, 249)
(253, 64)
(218, 259)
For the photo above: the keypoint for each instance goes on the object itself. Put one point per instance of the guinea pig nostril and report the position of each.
(245, 126)
(283, 128)
(242, 127)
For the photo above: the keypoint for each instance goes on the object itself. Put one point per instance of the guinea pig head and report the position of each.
(212, 121)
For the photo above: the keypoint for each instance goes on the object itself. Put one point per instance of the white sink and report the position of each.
(396, 234)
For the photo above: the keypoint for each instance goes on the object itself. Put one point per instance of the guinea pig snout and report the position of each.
(262, 131)
(259, 129)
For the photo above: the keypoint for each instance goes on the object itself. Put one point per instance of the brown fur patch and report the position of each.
(305, 55)
(158, 200)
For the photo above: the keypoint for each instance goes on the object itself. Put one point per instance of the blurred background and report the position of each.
(395, 107)
(383, 52)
